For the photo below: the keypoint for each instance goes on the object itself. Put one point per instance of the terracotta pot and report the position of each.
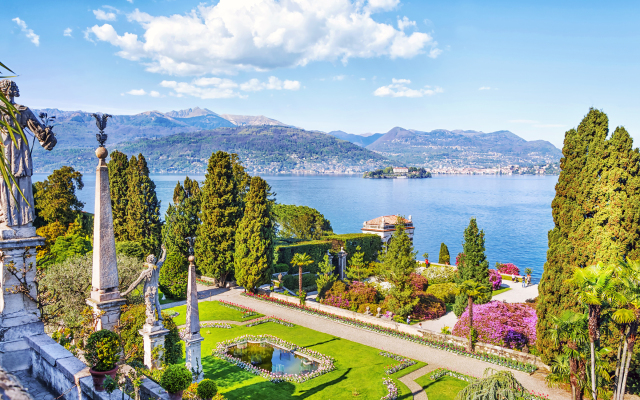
(176, 395)
(98, 377)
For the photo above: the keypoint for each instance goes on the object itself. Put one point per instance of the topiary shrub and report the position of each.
(419, 282)
(444, 291)
(207, 389)
(176, 378)
(428, 307)
(174, 275)
(172, 342)
(130, 249)
(439, 274)
(102, 350)
(495, 279)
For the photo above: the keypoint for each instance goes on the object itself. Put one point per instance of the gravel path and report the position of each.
(434, 357)
(409, 380)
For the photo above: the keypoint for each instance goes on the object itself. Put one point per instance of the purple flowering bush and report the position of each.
(503, 324)
(495, 279)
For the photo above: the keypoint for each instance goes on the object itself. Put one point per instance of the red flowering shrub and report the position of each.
(337, 296)
(460, 259)
(428, 307)
(352, 297)
(508, 269)
(495, 279)
(502, 324)
(361, 293)
(419, 282)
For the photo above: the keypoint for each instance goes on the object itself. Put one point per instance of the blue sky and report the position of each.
(532, 67)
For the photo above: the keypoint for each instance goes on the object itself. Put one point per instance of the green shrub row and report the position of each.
(308, 281)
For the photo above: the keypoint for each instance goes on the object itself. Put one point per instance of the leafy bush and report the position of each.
(207, 389)
(173, 276)
(278, 268)
(176, 378)
(308, 281)
(419, 282)
(495, 279)
(102, 350)
(495, 320)
(130, 249)
(439, 274)
(172, 342)
(337, 296)
(361, 293)
(444, 291)
(428, 307)
(508, 269)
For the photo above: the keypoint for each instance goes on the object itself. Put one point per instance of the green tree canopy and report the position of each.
(444, 257)
(119, 189)
(55, 197)
(301, 222)
(143, 208)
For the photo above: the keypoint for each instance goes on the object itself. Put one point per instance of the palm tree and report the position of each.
(595, 287)
(472, 290)
(300, 260)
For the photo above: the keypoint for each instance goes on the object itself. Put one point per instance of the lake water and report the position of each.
(513, 211)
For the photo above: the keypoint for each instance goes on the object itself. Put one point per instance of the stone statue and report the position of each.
(151, 277)
(17, 211)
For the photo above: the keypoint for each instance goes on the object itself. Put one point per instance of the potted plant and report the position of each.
(102, 352)
(207, 389)
(175, 380)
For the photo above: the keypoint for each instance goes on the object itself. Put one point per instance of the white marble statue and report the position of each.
(151, 278)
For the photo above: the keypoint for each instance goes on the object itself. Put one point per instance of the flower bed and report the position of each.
(205, 283)
(246, 311)
(264, 320)
(183, 331)
(391, 388)
(442, 345)
(502, 324)
(325, 362)
(404, 362)
(172, 314)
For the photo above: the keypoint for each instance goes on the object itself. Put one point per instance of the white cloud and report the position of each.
(485, 88)
(339, 77)
(35, 39)
(405, 23)
(223, 88)
(153, 93)
(131, 47)
(130, 1)
(398, 88)
(273, 83)
(265, 34)
(102, 15)
(137, 92)
(67, 32)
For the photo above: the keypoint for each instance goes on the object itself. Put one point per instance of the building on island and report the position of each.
(385, 226)
(400, 170)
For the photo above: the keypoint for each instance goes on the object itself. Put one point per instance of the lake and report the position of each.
(513, 211)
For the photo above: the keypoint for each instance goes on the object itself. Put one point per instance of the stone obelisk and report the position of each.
(105, 295)
(193, 338)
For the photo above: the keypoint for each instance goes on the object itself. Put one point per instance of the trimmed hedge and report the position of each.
(173, 276)
(316, 249)
(308, 281)
(444, 291)
(278, 268)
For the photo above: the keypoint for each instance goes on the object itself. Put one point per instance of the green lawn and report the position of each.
(444, 388)
(497, 292)
(358, 368)
(211, 311)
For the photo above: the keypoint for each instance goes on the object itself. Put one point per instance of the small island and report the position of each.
(398, 173)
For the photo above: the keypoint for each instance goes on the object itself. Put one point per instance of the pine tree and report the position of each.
(474, 265)
(357, 269)
(119, 189)
(398, 262)
(444, 257)
(326, 277)
(596, 215)
(143, 208)
(220, 214)
(254, 247)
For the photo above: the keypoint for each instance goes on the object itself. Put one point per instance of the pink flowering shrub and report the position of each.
(419, 282)
(351, 297)
(508, 269)
(460, 259)
(502, 324)
(495, 279)
(428, 307)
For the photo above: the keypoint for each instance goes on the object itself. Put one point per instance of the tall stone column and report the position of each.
(342, 262)
(193, 338)
(105, 295)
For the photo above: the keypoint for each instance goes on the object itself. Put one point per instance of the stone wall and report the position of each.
(431, 335)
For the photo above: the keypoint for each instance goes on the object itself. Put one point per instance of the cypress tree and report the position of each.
(143, 209)
(254, 247)
(473, 266)
(444, 257)
(119, 189)
(595, 212)
(220, 214)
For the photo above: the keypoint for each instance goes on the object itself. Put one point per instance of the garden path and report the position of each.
(409, 380)
(434, 357)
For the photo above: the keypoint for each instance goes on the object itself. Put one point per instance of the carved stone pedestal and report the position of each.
(19, 315)
(152, 337)
(194, 354)
(109, 311)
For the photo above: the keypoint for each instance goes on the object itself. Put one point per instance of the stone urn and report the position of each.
(99, 377)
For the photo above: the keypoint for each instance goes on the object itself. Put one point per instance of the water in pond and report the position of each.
(274, 359)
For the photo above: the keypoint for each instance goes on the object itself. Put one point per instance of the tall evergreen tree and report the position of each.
(143, 208)
(254, 248)
(444, 257)
(398, 262)
(473, 266)
(596, 214)
(220, 213)
(55, 198)
(119, 189)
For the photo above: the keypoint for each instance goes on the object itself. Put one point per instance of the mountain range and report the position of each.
(182, 141)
